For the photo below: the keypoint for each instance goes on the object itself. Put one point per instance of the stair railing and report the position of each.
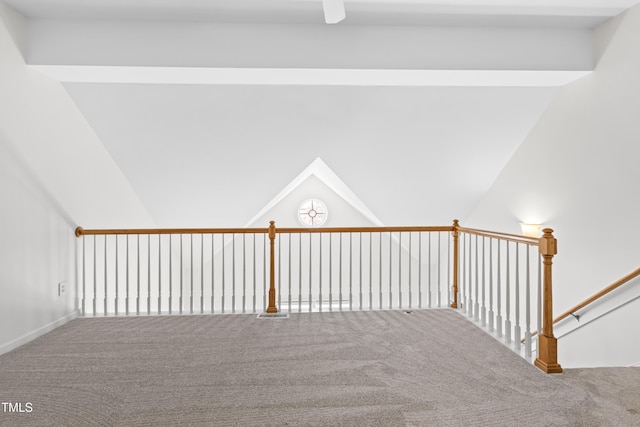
(192, 271)
(595, 297)
(497, 276)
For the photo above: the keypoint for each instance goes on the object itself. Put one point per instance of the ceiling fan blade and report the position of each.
(333, 11)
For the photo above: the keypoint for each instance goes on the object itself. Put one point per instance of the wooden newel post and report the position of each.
(547, 359)
(272, 269)
(455, 233)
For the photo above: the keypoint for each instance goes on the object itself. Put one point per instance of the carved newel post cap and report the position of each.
(547, 243)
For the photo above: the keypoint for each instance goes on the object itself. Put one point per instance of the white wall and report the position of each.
(54, 174)
(577, 172)
(36, 253)
(45, 128)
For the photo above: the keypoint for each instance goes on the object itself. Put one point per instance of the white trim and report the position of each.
(12, 345)
(320, 169)
(308, 76)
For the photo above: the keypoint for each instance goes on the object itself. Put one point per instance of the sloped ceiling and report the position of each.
(218, 154)
(215, 153)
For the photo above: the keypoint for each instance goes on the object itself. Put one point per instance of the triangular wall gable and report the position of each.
(326, 176)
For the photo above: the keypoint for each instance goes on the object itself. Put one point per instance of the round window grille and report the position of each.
(312, 213)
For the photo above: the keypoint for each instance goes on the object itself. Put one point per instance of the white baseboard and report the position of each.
(633, 365)
(11, 345)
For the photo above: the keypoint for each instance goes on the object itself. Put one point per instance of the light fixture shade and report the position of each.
(333, 11)
(530, 230)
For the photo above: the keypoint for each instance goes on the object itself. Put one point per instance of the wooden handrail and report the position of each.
(398, 229)
(595, 297)
(82, 232)
(533, 241)
(599, 295)
(498, 235)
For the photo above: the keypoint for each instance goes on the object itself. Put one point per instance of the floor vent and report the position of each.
(273, 316)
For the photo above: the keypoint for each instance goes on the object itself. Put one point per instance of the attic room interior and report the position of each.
(399, 147)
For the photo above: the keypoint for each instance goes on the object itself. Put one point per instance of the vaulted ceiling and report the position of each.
(212, 107)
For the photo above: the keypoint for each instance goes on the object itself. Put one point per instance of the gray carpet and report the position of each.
(385, 368)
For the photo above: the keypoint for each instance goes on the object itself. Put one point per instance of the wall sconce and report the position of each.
(530, 230)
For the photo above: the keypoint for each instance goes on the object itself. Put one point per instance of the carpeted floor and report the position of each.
(383, 368)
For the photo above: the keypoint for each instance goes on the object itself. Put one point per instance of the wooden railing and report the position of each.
(593, 298)
(163, 269)
(124, 270)
(493, 273)
(381, 267)
(157, 271)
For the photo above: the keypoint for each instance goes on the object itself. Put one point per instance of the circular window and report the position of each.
(312, 213)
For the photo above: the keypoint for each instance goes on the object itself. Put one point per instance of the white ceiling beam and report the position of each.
(386, 12)
(268, 46)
